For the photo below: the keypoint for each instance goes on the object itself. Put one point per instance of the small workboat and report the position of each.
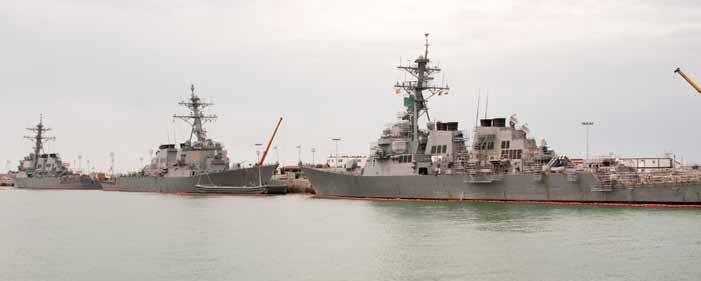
(265, 189)
(260, 189)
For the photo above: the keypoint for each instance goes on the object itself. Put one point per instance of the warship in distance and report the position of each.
(41, 170)
(502, 164)
(198, 165)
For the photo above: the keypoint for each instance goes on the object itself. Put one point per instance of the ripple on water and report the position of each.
(131, 236)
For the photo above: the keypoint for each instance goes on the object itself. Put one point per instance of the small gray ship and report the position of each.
(198, 165)
(501, 163)
(41, 170)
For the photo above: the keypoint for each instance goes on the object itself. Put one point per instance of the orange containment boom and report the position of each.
(696, 87)
(262, 159)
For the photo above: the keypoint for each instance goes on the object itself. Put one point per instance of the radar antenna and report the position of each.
(513, 121)
(197, 117)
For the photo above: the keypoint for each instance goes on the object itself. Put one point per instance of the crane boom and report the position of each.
(691, 82)
(267, 148)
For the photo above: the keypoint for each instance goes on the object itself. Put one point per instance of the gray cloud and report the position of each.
(108, 74)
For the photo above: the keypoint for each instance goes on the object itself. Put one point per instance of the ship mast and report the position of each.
(197, 116)
(39, 139)
(415, 100)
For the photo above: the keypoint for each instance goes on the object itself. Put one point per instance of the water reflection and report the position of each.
(491, 241)
(494, 217)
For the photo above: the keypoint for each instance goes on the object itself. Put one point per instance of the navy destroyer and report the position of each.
(40, 170)
(501, 163)
(198, 165)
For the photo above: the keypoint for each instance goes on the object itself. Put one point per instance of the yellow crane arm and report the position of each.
(696, 87)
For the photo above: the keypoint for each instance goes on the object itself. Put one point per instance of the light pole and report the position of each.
(313, 158)
(299, 154)
(260, 176)
(277, 154)
(111, 163)
(336, 140)
(586, 125)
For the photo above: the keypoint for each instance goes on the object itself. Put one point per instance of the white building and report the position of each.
(648, 164)
(346, 161)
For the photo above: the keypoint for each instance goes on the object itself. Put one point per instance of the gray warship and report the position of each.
(40, 170)
(501, 163)
(199, 165)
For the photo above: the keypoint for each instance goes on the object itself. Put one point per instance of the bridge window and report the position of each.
(505, 144)
(511, 154)
(486, 142)
(439, 149)
(403, 159)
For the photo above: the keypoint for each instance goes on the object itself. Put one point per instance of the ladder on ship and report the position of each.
(572, 176)
(605, 183)
(461, 161)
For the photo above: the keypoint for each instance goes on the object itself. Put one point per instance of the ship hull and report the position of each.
(56, 183)
(547, 188)
(238, 177)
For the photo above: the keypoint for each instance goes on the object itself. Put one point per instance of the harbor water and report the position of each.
(96, 235)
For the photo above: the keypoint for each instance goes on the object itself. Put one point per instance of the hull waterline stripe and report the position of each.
(574, 203)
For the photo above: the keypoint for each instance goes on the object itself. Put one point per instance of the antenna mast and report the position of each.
(196, 117)
(39, 138)
(415, 101)
(477, 115)
(486, 105)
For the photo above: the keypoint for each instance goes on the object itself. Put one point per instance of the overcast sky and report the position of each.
(107, 75)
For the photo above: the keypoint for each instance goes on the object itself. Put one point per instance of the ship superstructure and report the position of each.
(194, 156)
(39, 163)
(507, 149)
(404, 148)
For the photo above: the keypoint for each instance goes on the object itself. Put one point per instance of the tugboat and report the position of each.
(198, 165)
(40, 170)
(501, 164)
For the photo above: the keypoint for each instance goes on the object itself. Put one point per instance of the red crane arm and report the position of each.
(262, 159)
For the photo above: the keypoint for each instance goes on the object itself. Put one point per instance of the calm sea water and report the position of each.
(94, 235)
